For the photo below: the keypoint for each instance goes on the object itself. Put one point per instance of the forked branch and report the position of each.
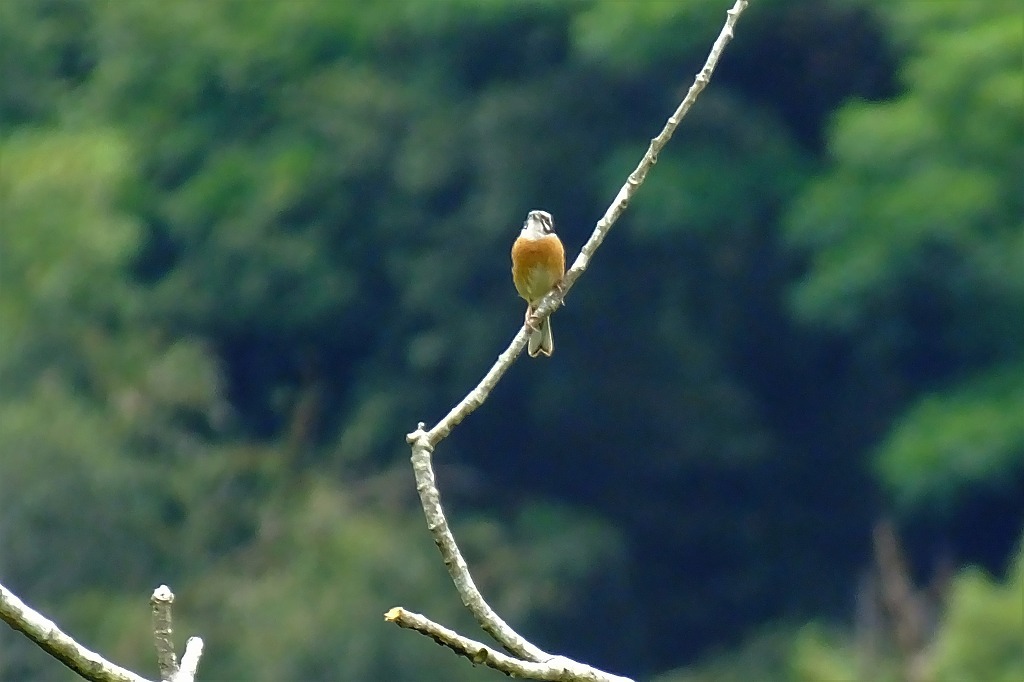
(423, 441)
(90, 665)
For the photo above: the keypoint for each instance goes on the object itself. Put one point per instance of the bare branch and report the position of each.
(55, 642)
(423, 442)
(170, 671)
(430, 498)
(189, 661)
(902, 601)
(166, 659)
(555, 668)
(91, 665)
(475, 398)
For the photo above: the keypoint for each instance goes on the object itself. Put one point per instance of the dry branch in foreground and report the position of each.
(89, 664)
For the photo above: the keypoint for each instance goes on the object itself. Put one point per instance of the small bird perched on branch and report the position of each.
(538, 263)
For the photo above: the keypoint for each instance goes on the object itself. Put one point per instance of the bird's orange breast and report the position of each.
(537, 264)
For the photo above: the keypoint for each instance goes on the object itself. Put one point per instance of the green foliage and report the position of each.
(64, 241)
(630, 37)
(763, 656)
(915, 243)
(47, 48)
(980, 636)
(957, 440)
(977, 637)
(245, 246)
(241, 195)
(820, 655)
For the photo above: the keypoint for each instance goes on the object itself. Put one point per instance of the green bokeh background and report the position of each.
(245, 245)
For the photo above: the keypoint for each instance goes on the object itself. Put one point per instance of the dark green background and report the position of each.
(247, 244)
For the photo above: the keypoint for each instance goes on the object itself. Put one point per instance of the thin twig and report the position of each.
(55, 642)
(90, 665)
(423, 442)
(189, 661)
(166, 660)
(902, 601)
(557, 669)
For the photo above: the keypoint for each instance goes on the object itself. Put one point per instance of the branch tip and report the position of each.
(51, 639)
(166, 660)
(418, 434)
(162, 594)
(189, 661)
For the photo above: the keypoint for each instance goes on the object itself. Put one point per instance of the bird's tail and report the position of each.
(540, 341)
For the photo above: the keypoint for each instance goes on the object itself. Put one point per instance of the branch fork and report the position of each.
(90, 665)
(170, 669)
(526, 659)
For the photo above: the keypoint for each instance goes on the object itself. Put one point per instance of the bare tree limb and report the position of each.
(165, 657)
(531, 662)
(90, 665)
(430, 498)
(55, 642)
(903, 603)
(170, 670)
(423, 442)
(557, 668)
(189, 661)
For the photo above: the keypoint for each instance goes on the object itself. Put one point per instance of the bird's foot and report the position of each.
(528, 321)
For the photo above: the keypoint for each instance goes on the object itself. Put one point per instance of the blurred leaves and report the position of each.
(64, 241)
(915, 244)
(246, 246)
(924, 192)
(631, 38)
(976, 637)
(980, 638)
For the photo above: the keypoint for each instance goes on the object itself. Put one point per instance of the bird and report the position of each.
(538, 263)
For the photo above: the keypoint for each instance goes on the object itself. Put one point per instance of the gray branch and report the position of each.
(90, 665)
(58, 644)
(555, 668)
(189, 661)
(166, 660)
(170, 670)
(423, 442)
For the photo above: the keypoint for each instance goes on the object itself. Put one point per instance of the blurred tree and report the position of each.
(86, 396)
(333, 219)
(980, 636)
(915, 244)
(914, 248)
(977, 637)
(46, 51)
(240, 357)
